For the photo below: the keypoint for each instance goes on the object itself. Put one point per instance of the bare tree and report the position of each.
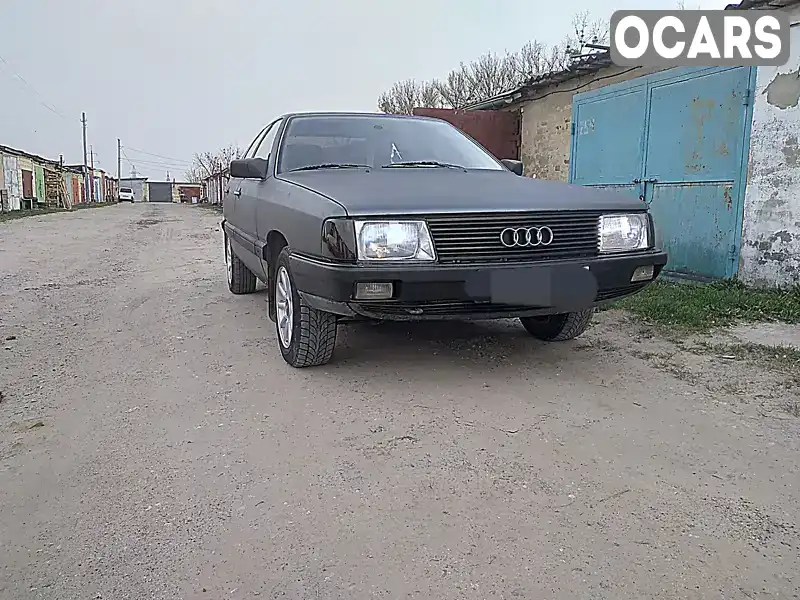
(405, 95)
(492, 74)
(205, 164)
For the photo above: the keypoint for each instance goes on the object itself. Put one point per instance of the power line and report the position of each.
(151, 164)
(42, 101)
(154, 163)
(172, 158)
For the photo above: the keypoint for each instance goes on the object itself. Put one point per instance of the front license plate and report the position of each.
(568, 288)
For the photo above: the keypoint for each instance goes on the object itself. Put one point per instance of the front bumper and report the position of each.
(485, 291)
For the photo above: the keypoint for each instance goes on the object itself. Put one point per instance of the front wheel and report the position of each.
(558, 328)
(306, 336)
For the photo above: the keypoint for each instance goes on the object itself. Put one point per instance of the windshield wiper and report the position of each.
(423, 163)
(330, 166)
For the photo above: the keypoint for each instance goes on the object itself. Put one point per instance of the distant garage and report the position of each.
(160, 192)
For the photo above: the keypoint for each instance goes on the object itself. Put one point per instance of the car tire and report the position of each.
(558, 328)
(311, 333)
(241, 280)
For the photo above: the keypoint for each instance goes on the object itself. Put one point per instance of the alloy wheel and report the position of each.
(284, 306)
(229, 261)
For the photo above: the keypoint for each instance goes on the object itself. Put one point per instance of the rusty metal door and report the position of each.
(497, 131)
(27, 184)
(76, 190)
(679, 140)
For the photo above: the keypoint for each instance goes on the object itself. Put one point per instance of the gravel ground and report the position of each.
(153, 444)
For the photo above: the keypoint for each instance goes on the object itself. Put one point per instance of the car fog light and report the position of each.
(374, 291)
(643, 273)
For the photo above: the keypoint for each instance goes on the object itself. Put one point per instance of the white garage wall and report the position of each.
(771, 230)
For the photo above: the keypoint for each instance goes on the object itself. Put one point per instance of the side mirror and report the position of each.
(249, 168)
(515, 166)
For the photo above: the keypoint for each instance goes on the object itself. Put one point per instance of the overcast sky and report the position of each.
(172, 77)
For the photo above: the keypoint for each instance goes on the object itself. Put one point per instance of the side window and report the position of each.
(266, 142)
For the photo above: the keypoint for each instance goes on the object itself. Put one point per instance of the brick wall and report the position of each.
(546, 121)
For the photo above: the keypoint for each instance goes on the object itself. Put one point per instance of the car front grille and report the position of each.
(469, 238)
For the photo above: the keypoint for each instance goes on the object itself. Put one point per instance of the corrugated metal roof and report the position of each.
(34, 157)
(761, 4)
(588, 64)
(595, 62)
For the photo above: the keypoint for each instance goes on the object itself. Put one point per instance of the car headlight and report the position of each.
(621, 233)
(394, 240)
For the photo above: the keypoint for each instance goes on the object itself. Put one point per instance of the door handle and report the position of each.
(238, 192)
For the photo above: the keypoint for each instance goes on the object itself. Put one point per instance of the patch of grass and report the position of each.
(779, 358)
(784, 358)
(209, 206)
(21, 214)
(94, 205)
(701, 307)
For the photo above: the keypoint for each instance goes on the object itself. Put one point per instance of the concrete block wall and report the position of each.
(547, 117)
(770, 252)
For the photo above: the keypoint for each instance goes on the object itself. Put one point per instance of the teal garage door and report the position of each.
(679, 140)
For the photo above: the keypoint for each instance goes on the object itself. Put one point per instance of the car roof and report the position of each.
(355, 114)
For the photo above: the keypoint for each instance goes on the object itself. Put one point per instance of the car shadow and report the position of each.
(477, 344)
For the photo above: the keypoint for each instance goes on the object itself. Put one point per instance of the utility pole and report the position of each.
(91, 154)
(85, 164)
(119, 161)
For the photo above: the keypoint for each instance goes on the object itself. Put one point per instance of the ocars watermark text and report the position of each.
(670, 38)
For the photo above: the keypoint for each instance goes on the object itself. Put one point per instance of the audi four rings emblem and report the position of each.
(523, 237)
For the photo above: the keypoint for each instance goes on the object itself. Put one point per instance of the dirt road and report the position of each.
(153, 444)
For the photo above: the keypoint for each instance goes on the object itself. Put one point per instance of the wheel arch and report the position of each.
(276, 241)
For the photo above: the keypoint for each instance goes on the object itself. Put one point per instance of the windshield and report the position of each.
(378, 141)
(125, 190)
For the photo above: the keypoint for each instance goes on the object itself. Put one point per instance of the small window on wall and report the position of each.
(265, 147)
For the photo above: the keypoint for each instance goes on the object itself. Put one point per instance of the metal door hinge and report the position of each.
(572, 128)
(732, 252)
(748, 97)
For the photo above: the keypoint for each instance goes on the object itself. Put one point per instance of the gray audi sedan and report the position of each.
(371, 216)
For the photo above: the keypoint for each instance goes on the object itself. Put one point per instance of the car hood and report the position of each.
(432, 190)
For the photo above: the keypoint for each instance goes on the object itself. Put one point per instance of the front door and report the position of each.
(252, 189)
(232, 199)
